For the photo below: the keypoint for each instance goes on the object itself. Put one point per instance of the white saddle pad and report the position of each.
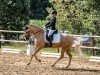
(56, 38)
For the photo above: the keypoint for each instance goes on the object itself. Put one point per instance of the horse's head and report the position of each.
(27, 32)
(32, 30)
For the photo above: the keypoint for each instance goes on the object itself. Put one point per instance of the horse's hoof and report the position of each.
(66, 66)
(52, 66)
(28, 64)
(39, 60)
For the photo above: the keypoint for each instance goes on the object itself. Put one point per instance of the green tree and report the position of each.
(38, 9)
(14, 14)
(78, 16)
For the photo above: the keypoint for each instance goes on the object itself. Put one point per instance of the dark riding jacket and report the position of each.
(51, 24)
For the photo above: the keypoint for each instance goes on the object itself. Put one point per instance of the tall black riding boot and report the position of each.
(50, 41)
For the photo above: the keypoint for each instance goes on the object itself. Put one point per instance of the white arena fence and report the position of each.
(22, 32)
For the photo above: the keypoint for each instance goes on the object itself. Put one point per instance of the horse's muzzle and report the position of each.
(27, 37)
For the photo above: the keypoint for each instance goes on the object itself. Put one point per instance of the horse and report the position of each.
(65, 43)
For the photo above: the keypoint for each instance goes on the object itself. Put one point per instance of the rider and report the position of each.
(51, 26)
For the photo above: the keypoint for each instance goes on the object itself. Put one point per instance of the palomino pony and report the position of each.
(65, 43)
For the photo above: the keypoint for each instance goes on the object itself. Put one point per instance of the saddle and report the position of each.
(55, 37)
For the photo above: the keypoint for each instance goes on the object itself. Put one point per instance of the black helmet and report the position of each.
(54, 12)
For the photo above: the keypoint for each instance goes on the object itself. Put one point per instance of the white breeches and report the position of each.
(50, 32)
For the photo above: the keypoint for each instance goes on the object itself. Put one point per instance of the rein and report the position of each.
(37, 32)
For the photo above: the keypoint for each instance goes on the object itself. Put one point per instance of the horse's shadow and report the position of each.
(78, 69)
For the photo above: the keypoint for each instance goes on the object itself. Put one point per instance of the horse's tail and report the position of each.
(77, 45)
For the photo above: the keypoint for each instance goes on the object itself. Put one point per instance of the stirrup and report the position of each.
(50, 45)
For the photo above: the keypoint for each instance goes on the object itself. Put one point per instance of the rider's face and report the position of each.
(53, 15)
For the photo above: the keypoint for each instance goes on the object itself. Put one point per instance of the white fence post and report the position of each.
(29, 49)
(30, 46)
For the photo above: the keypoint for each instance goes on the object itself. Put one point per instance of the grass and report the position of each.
(23, 48)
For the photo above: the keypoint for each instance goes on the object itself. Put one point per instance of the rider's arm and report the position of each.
(51, 22)
(48, 24)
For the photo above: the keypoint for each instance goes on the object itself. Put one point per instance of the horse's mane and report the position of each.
(36, 27)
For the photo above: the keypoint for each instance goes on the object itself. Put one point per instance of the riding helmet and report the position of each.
(54, 12)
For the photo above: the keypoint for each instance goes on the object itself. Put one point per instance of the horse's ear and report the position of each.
(26, 28)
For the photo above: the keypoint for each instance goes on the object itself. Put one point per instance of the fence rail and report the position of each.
(21, 32)
(14, 41)
(8, 31)
(94, 36)
(97, 48)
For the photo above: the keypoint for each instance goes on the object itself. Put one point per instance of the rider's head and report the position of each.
(54, 13)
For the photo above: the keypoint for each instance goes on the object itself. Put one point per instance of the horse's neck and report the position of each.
(39, 37)
(38, 32)
(35, 28)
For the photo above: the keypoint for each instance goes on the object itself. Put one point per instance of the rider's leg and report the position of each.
(50, 41)
(50, 35)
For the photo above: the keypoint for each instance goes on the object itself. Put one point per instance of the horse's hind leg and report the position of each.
(61, 56)
(70, 57)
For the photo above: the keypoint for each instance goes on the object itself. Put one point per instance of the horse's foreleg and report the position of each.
(36, 53)
(30, 60)
(70, 57)
(31, 57)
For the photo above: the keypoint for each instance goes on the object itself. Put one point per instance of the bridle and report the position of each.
(35, 32)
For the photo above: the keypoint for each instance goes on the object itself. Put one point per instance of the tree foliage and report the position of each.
(14, 14)
(38, 9)
(78, 16)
